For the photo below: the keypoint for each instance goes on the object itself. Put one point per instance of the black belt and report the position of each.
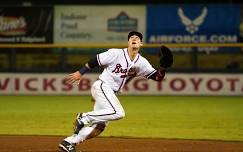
(104, 82)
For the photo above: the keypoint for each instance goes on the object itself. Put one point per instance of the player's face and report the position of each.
(134, 42)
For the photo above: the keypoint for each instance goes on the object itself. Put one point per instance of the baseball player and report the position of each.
(120, 65)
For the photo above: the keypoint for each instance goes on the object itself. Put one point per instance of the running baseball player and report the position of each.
(120, 65)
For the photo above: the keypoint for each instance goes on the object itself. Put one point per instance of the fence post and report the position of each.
(195, 59)
(12, 60)
(63, 59)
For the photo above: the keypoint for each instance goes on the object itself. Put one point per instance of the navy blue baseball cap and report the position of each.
(140, 35)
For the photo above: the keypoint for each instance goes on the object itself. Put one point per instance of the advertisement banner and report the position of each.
(26, 24)
(193, 23)
(97, 24)
(173, 84)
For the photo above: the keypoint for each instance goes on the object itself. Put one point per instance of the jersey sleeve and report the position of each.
(106, 58)
(146, 69)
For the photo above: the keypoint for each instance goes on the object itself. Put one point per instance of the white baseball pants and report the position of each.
(107, 107)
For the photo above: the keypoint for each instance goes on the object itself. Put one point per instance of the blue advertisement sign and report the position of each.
(193, 23)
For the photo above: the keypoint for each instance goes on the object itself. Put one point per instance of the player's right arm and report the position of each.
(77, 76)
(101, 59)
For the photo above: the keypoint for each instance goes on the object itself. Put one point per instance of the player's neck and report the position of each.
(132, 53)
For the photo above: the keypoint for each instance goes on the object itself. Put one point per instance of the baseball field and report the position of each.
(152, 123)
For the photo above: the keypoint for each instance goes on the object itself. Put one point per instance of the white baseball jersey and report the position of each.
(117, 66)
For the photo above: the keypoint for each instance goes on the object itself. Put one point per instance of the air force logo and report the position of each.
(192, 26)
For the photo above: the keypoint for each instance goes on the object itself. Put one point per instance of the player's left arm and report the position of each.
(166, 61)
(129, 79)
(158, 75)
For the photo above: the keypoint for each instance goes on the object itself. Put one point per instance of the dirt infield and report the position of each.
(49, 144)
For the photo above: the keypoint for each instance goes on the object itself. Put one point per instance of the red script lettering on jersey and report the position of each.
(119, 69)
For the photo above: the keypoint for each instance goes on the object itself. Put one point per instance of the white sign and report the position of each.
(97, 24)
(173, 84)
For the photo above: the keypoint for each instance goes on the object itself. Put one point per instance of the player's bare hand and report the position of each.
(74, 78)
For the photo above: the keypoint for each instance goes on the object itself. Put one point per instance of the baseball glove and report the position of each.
(166, 57)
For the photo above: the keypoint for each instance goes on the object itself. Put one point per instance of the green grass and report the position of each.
(181, 117)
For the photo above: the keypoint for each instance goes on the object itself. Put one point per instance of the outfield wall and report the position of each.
(173, 84)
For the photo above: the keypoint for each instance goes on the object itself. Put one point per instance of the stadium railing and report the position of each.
(193, 57)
